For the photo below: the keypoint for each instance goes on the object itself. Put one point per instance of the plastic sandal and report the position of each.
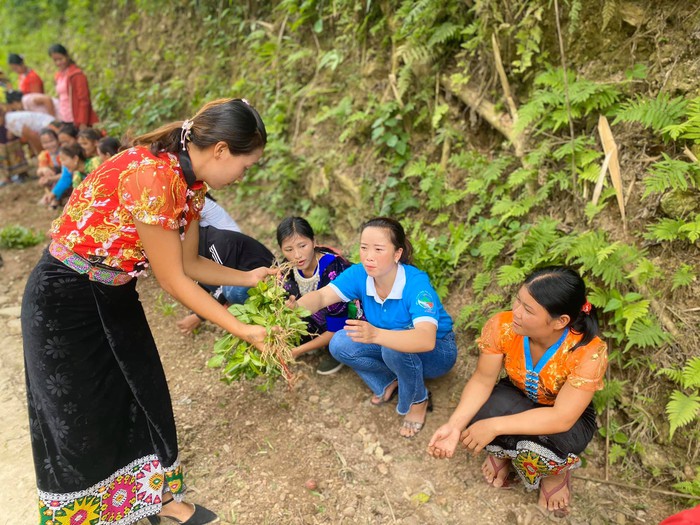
(559, 513)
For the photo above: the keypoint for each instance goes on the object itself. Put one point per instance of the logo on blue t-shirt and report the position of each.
(425, 301)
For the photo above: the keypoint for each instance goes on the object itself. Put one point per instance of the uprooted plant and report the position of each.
(266, 306)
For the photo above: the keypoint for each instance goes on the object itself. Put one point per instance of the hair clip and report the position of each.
(586, 308)
(245, 101)
(186, 132)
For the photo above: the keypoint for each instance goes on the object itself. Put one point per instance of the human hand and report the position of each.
(292, 302)
(188, 324)
(360, 331)
(256, 335)
(478, 435)
(257, 275)
(444, 442)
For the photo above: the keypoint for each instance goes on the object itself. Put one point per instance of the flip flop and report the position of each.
(510, 479)
(559, 513)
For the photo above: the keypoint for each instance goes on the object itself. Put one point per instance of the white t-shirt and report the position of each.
(16, 121)
(214, 215)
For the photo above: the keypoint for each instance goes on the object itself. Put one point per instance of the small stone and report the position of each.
(387, 458)
(620, 518)
(369, 448)
(314, 399)
(249, 423)
(311, 484)
(383, 469)
(11, 311)
(227, 448)
(379, 452)
(349, 512)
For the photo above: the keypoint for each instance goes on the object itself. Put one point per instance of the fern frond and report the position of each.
(609, 395)
(404, 78)
(652, 113)
(691, 373)
(673, 374)
(489, 250)
(634, 311)
(510, 275)
(481, 282)
(609, 11)
(682, 409)
(412, 53)
(444, 33)
(684, 276)
(669, 174)
(664, 230)
(691, 230)
(646, 334)
(690, 129)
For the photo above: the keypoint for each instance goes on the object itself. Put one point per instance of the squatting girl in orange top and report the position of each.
(101, 418)
(537, 420)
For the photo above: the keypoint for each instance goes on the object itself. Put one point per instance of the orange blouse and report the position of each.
(583, 368)
(98, 222)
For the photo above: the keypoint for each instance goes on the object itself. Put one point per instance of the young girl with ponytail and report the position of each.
(101, 418)
(535, 422)
(407, 336)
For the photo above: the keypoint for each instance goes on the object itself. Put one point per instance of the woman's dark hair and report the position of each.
(294, 226)
(13, 96)
(48, 131)
(396, 233)
(74, 150)
(90, 134)
(58, 48)
(68, 128)
(109, 146)
(561, 291)
(229, 120)
(15, 59)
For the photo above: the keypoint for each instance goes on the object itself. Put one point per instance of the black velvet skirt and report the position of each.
(535, 457)
(101, 421)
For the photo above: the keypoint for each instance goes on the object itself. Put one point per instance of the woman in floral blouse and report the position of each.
(537, 420)
(102, 427)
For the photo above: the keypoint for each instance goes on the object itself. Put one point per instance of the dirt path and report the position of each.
(249, 453)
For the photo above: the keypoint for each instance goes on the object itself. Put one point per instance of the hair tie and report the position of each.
(586, 308)
(245, 101)
(186, 132)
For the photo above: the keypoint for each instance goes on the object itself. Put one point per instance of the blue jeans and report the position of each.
(235, 294)
(378, 366)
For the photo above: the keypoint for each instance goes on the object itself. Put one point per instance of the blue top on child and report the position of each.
(412, 299)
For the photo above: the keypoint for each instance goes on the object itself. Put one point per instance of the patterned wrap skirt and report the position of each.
(12, 159)
(535, 457)
(101, 421)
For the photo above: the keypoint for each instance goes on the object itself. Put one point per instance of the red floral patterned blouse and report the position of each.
(134, 185)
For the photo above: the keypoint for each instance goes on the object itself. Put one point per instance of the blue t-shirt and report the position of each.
(412, 299)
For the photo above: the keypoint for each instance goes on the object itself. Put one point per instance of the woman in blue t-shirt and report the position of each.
(408, 335)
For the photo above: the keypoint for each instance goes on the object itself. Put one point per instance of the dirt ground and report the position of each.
(249, 453)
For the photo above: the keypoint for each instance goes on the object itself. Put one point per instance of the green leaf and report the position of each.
(682, 409)
(634, 311)
(684, 276)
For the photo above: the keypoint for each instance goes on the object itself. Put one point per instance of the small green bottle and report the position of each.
(352, 310)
